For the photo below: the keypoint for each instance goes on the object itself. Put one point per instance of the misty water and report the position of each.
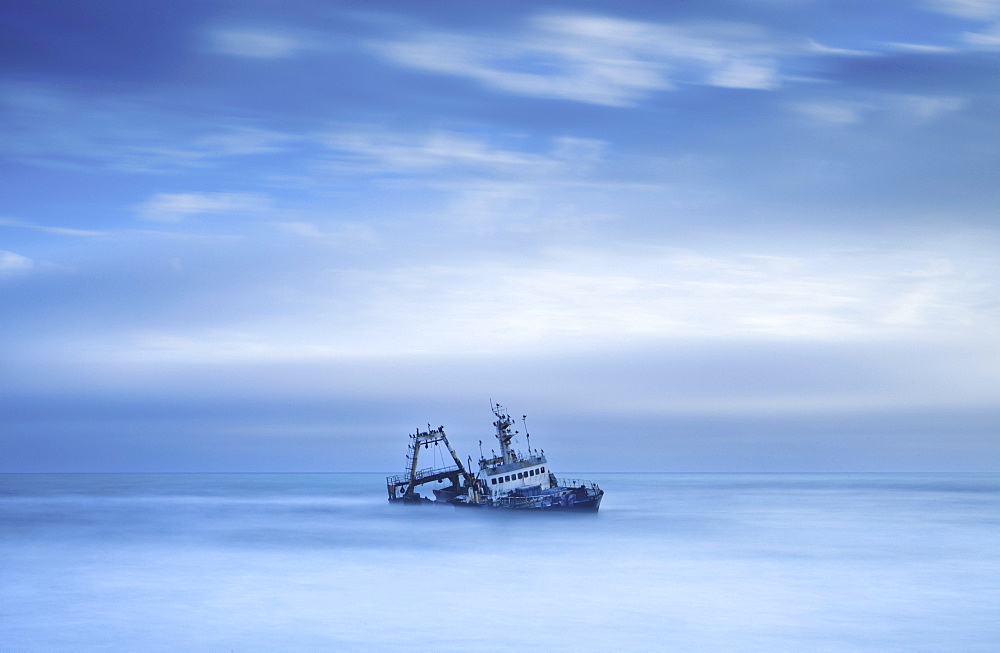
(677, 562)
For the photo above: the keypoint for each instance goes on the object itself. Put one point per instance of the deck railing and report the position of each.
(423, 473)
(575, 483)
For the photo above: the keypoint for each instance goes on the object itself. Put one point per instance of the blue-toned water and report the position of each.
(309, 562)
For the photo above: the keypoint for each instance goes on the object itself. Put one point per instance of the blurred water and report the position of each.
(300, 562)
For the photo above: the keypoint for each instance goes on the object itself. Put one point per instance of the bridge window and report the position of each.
(493, 481)
(542, 470)
(506, 478)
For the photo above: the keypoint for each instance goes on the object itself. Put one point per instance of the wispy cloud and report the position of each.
(60, 231)
(905, 109)
(256, 43)
(236, 141)
(51, 127)
(458, 153)
(975, 9)
(987, 40)
(832, 112)
(595, 59)
(175, 207)
(13, 263)
(921, 109)
(335, 233)
(818, 48)
(983, 10)
(922, 48)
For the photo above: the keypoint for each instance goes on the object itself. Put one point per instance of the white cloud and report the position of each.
(597, 59)
(47, 126)
(60, 231)
(241, 141)
(13, 263)
(257, 44)
(375, 151)
(337, 233)
(975, 9)
(920, 47)
(832, 112)
(988, 40)
(742, 73)
(174, 207)
(819, 48)
(541, 69)
(432, 151)
(911, 110)
(921, 109)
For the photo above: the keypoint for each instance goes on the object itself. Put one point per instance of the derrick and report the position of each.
(404, 486)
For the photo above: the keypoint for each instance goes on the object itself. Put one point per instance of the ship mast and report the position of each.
(503, 433)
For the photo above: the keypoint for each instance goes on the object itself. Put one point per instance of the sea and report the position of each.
(672, 562)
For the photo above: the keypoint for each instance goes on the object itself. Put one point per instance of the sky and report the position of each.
(732, 235)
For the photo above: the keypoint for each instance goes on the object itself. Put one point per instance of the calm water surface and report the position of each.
(675, 562)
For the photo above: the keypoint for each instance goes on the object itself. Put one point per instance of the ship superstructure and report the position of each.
(511, 480)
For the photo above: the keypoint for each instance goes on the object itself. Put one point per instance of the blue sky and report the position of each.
(718, 236)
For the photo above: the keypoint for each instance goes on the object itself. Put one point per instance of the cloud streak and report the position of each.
(597, 59)
(255, 43)
(13, 263)
(974, 9)
(59, 231)
(456, 154)
(53, 127)
(175, 207)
